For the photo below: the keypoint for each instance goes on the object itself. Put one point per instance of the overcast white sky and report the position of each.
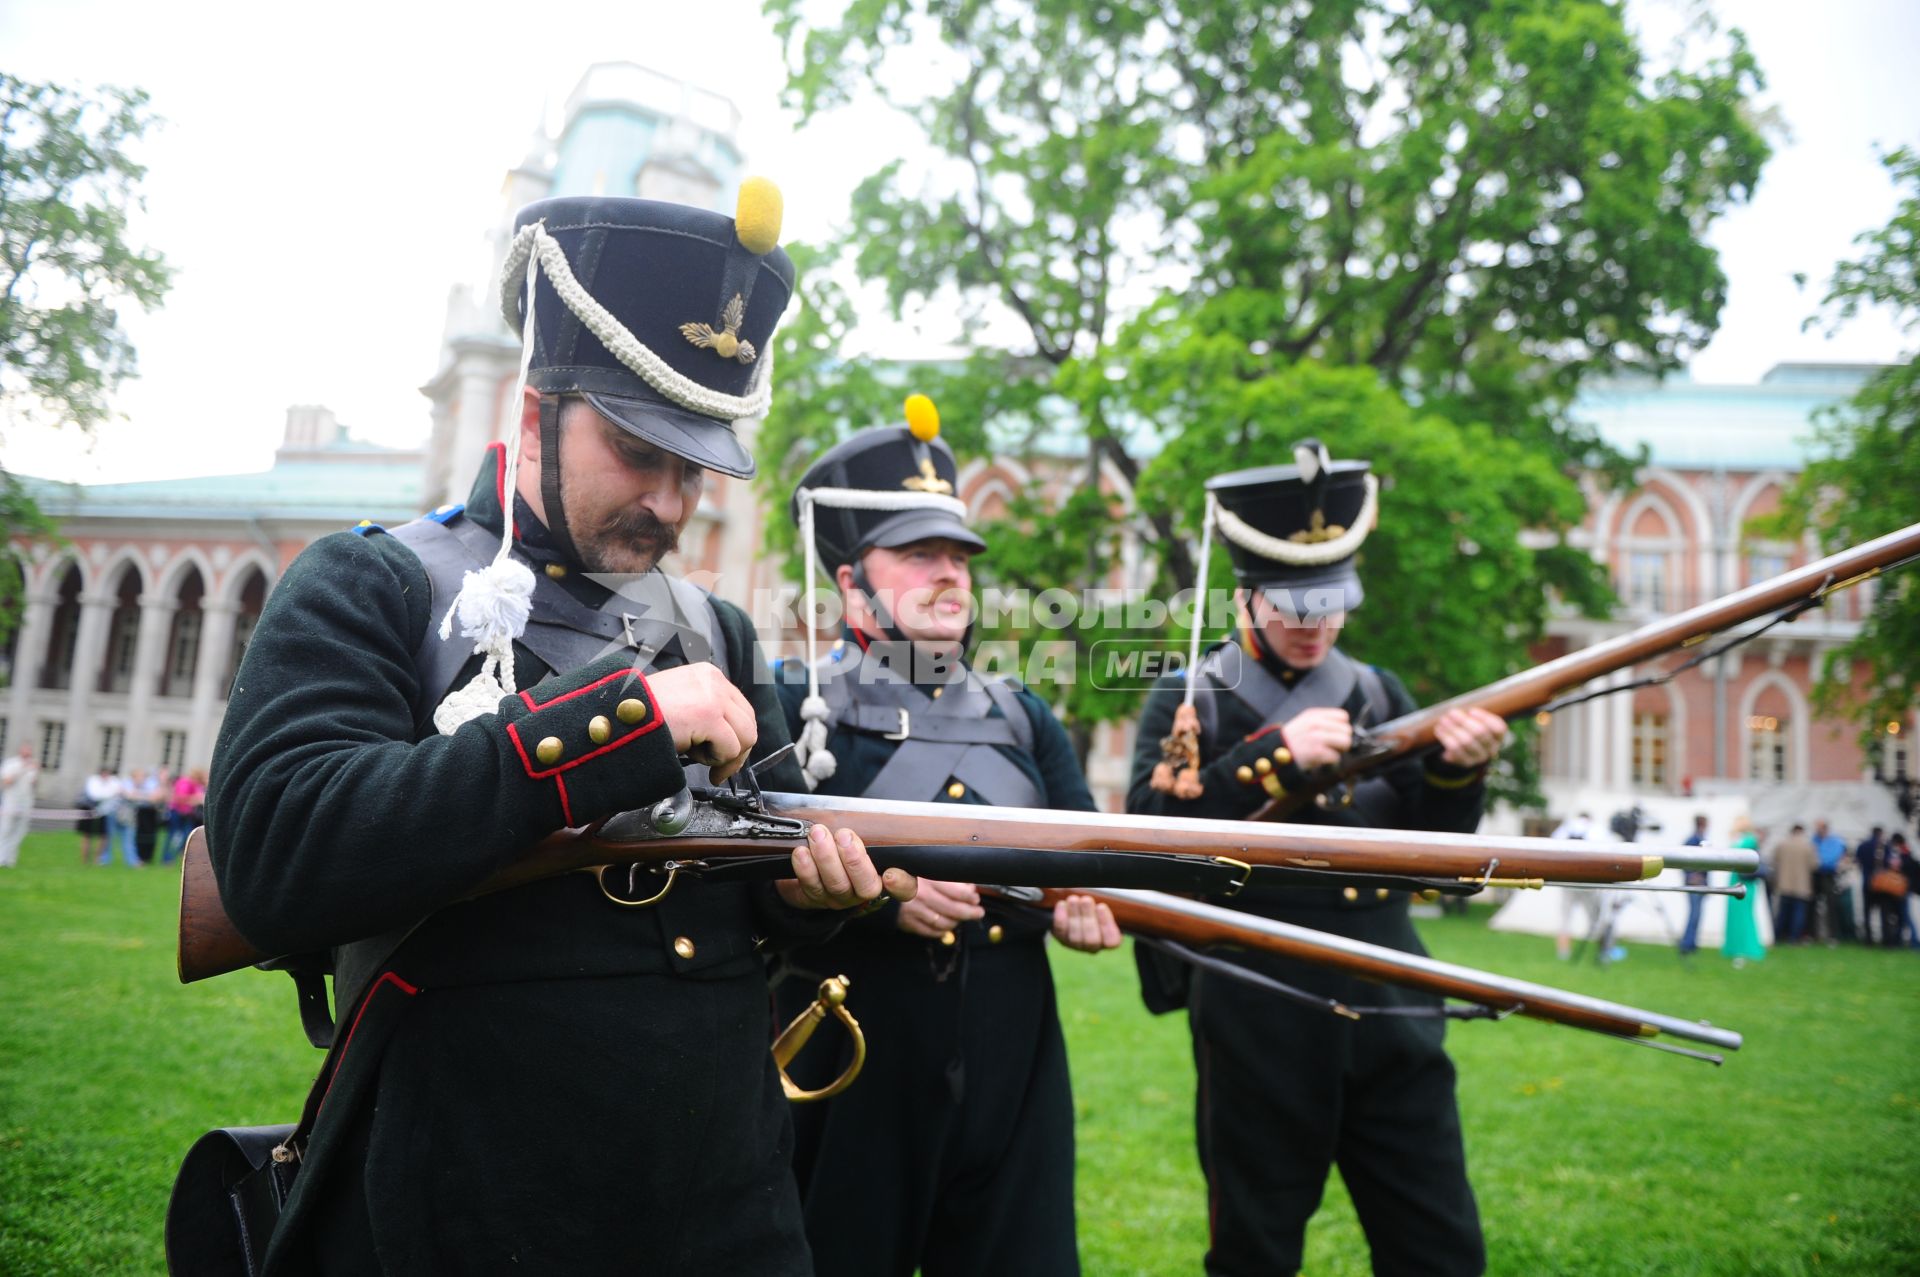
(327, 173)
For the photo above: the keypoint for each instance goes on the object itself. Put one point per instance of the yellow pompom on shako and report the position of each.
(756, 215)
(923, 419)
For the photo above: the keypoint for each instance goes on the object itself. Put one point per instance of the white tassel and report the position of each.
(493, 605)
(817, 762)
(480, 696)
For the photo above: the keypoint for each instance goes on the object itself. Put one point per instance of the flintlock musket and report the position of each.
(1164, 918)
(747, 833)
(1553, 686)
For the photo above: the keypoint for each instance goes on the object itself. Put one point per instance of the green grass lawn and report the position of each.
(1801, 1155)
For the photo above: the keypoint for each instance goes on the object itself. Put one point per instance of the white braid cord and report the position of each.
(533, 242)
(494, 603)
(1200, 597)
(816, 761)
(1299, 554)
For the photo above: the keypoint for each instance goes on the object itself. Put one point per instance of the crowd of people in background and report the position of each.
(1827, 893)
(1818, 889)
(140, 817)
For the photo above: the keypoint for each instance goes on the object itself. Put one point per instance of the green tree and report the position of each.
(1866, 468)
(67, 186)
(1198, 215)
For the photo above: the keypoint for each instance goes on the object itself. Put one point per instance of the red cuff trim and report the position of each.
(566, 808)
(536, 706)
(1271, 727)
(386, 977)
(537, 773)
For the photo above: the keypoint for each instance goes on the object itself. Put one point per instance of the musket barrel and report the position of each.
(1519, 693)
(1352, 849)
(1495, 987)
(1529, 690)
(1734, 860)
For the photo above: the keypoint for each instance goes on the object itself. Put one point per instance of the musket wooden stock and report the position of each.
(210, 945)
(1528, 691)
(1191, 923)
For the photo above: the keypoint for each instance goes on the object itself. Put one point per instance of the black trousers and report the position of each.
(1893, 918)
(953, 1152)
(629, 1125)
(1287, 1091)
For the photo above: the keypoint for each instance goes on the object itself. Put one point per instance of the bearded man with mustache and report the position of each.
(547, 1078)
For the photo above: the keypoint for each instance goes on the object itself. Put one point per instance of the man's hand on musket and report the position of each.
(1086, 924)
(1318, 737)
(1470, 737)
(940, 907)
(711, 721)
(833, 871)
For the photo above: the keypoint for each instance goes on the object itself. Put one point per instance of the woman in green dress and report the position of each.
(1743, 933)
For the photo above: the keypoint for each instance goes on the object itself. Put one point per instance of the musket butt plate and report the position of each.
(1650, 866)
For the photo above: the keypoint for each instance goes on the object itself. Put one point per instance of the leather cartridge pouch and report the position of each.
(226, 1200)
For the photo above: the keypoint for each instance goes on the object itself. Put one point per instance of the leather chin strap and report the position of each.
(550, 477)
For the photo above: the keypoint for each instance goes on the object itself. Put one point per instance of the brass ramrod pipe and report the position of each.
(1528, 691)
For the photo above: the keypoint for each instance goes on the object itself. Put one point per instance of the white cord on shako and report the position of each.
(1304, 554)
(1200, 598)
(816, 761)
(494, 603)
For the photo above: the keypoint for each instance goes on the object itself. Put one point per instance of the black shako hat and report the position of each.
(693, 297)
(887, 486)
(1293, 531)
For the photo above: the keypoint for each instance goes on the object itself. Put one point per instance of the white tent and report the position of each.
(1652, 917)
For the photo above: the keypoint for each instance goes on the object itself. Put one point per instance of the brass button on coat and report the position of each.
(948, 938)
(1351, 893)
(1263, 766)
(956, 790)
(549, 750)
(1379, 893)
(631, 710)
(996, 933)
(1283, 756)
(600, 730)
(683, 947)
(556, 570)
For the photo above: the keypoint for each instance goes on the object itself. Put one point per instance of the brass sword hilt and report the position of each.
(832, 1000)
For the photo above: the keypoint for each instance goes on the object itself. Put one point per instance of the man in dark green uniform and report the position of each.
(959, 1131)
(1286, 1090)
(545, 1079)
